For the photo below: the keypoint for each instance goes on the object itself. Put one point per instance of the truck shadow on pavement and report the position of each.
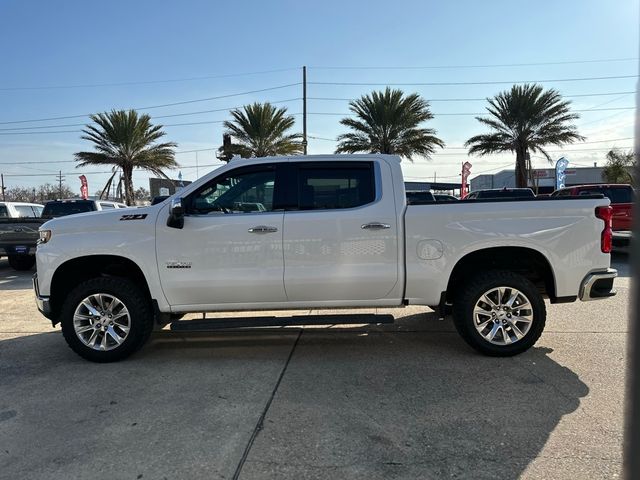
(408, 400)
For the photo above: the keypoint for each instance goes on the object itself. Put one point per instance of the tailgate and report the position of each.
(621, 216)
(19, 235)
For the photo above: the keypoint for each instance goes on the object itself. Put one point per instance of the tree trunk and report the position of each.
(521, 168)
(127, 176)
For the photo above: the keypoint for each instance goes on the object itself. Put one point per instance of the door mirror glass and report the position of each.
(176, 214)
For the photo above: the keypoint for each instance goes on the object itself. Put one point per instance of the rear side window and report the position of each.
(335, 185)
(24, 211)
(3, 211)
(621, 195)
(594, 191)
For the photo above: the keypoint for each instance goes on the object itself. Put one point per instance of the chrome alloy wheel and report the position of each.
(503, 315)
(101, 322)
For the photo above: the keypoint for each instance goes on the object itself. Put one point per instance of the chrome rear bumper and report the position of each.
(598, 285)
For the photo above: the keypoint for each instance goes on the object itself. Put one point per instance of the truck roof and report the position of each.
(329, 157)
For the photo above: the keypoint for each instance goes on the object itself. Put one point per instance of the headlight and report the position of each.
(45, 236)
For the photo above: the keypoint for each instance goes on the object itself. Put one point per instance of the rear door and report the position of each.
(341, 237)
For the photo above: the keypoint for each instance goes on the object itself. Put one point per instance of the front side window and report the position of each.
(106, 205)
(244, 190)
(335, 185)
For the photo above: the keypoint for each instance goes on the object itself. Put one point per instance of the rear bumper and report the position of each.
(598, 285)
(43, 303)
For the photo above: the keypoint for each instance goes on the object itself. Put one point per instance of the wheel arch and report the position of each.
(74, 271)
(529, 262)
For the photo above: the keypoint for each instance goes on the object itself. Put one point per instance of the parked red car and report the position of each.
(622, 197)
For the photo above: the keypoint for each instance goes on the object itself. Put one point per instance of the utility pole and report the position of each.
(304, 109)
(2, 185)
(60, 180)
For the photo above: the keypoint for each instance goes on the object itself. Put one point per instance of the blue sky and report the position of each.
(78, 43)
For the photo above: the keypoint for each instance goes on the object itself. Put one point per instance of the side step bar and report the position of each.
(209, 324)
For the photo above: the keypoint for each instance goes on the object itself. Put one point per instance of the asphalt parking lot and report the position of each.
(401, 400)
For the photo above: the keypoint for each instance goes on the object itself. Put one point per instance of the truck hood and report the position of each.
(117, 218)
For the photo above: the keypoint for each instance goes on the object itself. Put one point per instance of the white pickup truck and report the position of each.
(316, 232)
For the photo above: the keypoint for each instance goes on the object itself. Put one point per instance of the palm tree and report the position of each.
(389, 122)
(260, 130)
(126, 140)
(619, 168)
(522, 120)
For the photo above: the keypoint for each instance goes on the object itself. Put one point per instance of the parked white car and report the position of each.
(333, 231)
(20, 209)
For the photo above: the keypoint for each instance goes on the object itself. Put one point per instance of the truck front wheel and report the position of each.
(499, 313)
(22, 262)
(106, 319)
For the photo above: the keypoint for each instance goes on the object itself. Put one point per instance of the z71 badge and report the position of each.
(137, 216)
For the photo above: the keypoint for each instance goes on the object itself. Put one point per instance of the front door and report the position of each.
(230, 248)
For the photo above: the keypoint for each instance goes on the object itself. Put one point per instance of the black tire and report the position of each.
(470, 294)
(22, 262)
(140, 313)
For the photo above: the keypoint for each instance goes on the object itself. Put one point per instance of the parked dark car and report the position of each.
(442, 198)
(419, 197)
(501, 193)
(19, 236)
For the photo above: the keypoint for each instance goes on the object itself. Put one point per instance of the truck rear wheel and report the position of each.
(500, 313)
(22, 262)
(106, 319)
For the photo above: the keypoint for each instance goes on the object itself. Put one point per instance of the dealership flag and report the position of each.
(561, 166)
(84, 187)
(466, 170)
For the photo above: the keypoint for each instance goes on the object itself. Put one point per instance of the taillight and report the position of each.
(606, 237)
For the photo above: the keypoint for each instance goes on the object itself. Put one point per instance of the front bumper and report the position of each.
(598, 285)
(43, 303)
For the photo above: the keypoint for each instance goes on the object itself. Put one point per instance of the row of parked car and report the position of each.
(20, 221)
(622, 197)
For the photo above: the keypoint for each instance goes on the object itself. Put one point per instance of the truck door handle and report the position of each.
(375, 226)
(263, 229)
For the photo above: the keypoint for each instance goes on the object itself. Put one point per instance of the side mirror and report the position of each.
(176, 214)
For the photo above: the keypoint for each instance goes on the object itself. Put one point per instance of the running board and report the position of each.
(208, 324)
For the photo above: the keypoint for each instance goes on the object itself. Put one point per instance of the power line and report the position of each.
(147, 82)
(465, 148)
(158, 106)
(429, 67)
(493, 82)
(13, 130)
(159, 116)
(483, 99)
(442, 114)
